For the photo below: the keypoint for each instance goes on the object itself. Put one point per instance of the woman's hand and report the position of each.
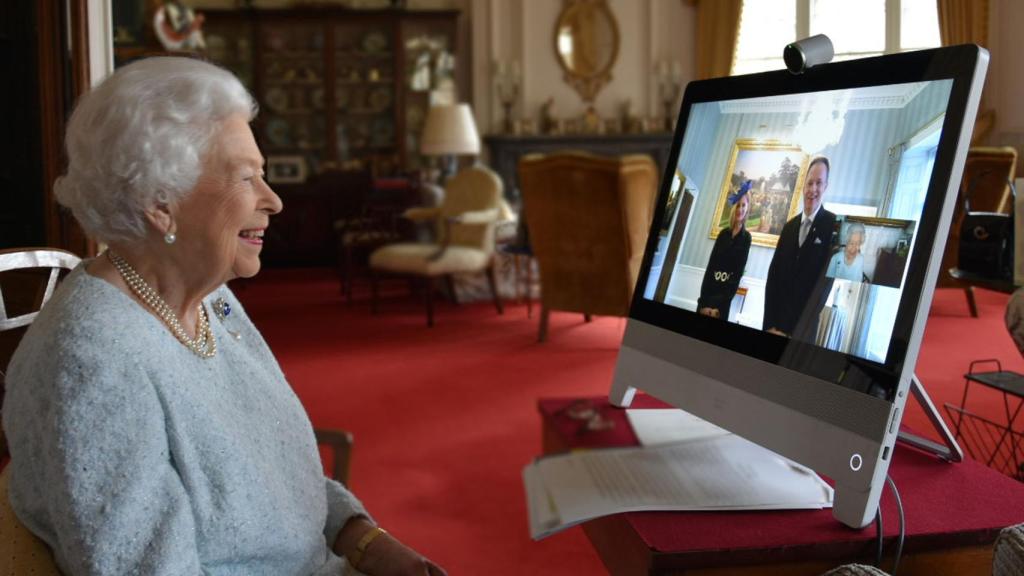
(386, 556)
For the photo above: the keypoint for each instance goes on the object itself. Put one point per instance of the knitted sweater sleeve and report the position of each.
(342, 504)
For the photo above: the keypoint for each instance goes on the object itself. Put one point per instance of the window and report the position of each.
(857, 29)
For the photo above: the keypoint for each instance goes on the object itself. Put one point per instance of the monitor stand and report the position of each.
(949, 452)
(622, 396)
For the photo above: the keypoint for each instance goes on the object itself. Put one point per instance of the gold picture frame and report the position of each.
(286, 169)
(777, 169)
(586, 43)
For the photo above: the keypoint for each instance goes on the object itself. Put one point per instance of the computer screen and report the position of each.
(794, 249)
(854, 164)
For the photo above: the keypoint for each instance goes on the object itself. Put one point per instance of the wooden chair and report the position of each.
(21, 552)
(465, 223)
(986, 173)
(588, 218)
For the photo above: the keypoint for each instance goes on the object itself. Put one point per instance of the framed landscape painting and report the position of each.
(776, 171)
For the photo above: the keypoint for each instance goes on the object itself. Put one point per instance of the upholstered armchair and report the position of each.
(465, 223)
(588, 218)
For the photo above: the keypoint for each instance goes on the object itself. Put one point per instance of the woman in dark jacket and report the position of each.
(728, 259)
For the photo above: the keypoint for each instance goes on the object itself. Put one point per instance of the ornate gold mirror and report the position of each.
(587, 45)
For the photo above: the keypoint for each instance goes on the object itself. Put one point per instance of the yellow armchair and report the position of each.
(588, 218)
(465, 223)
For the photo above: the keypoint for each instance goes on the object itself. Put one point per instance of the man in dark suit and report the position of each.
(797, 288)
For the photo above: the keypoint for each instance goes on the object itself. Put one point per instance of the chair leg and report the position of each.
(349, 267)
(341, 271)
(971, 303)
(429, 290)
(449, 283)
(515, 276)
(529, 287)
(494, 289)
(373, 291)
(542, 336)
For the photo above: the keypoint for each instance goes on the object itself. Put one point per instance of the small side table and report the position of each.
(954, 513)
(998, 446)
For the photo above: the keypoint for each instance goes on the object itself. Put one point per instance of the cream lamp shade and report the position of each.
(450, 130)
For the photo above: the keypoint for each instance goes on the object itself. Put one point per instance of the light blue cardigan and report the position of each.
(132, 455)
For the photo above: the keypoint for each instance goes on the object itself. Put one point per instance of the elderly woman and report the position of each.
(848, 263)
(151, 429)
(728, 259)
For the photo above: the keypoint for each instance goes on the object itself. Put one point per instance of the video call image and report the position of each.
(871, 250)
(797, 214)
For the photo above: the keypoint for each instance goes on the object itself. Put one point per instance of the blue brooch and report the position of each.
(221, 309)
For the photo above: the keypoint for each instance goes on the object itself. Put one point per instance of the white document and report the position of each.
(656, 427)
(543, 516)
(714, 473)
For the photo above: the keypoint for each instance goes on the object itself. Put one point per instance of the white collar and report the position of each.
(804, 217)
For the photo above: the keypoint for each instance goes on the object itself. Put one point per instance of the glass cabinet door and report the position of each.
(292, 91)
(364, 95)
(229, 44)
(347, 87)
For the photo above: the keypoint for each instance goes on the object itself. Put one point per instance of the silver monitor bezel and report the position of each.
(839, 432)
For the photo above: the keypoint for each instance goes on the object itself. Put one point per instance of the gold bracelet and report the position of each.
(363, 544)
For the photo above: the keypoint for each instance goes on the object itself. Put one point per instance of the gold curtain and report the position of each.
(718, 25)
(966, 22)
(963, 22)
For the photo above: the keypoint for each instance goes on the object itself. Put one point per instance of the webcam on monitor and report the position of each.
(809, 52)
(807, 213)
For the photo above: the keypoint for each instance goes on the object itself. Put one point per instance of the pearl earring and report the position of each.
(170, 237)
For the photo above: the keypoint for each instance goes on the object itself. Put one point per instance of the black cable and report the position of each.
(899, 508)
(878, 536)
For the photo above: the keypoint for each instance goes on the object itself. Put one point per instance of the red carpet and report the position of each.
(445, 418)
(952, 340)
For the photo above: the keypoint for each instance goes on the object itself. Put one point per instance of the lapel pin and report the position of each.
(221, 309)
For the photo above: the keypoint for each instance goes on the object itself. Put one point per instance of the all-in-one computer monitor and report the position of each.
(803, 337)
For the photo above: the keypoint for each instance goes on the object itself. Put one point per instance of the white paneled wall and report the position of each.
(523, 31)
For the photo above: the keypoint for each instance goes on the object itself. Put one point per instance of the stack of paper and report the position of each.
(709, 469)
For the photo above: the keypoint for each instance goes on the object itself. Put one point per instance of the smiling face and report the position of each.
(220, 223)
(815, 186)
(740, 211)
(853, 244)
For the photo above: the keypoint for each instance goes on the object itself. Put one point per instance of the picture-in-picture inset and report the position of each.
(871, 250)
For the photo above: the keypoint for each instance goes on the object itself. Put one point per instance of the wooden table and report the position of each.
(953, 514)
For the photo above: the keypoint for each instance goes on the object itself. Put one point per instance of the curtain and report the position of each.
(963, 22)
(966, 22)
(718, 24)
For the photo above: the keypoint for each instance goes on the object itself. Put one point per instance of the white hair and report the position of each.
(139, 140)
(856, 228)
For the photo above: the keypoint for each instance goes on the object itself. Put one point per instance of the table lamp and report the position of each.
(449, 131)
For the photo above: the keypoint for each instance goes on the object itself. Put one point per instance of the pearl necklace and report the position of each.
(203, 345)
